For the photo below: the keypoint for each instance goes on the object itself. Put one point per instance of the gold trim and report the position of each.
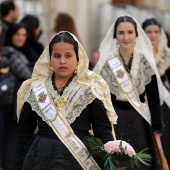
(84, 148)
(66, 143)
(79, 142)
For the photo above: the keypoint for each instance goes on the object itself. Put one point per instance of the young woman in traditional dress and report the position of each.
(156, 34)
(127, 64)
(63, 100)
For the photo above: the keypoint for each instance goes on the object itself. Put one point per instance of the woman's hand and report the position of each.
(164, 161)
(157, 136)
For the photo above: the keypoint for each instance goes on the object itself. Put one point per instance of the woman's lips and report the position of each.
(62, 68)
(126, 42)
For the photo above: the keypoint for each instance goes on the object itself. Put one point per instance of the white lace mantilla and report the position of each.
(140, 75)
(162, 58)
(78, 97)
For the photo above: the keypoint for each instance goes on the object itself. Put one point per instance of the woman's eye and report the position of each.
(57, 56)
(68, 56)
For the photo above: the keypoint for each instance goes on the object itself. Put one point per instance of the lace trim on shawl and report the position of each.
(162, 58)
(140, 76)
(78, 97)
(100, 89)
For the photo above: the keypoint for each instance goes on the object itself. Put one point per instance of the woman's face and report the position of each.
(19, 38)
(63, 60)
(153, 32)
(126, 35)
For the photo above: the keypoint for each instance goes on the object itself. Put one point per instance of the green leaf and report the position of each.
(96, 147)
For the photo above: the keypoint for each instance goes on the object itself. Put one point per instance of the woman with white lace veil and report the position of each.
(65, 100)
(126, 63)
(156, 34)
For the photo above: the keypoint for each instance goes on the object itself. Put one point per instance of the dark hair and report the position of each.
(64, 37)
(6, 6)
(31, 22)
(125, 19)
(12, 30)
(151, 21)
(65, 22)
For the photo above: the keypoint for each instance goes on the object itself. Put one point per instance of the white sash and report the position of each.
(127, 87)
(62, 129)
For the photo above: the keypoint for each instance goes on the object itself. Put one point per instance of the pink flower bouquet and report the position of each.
(117, 153)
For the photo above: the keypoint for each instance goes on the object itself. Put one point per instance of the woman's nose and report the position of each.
(62, 60)
(126, 36)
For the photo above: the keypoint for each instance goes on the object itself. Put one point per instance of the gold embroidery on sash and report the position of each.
(42, 97)
(120, 73)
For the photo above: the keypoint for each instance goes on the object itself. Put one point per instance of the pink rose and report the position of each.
(114, 146)
(128, 149)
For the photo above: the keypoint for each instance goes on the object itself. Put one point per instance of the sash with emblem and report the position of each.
(62, 129)
(126, 85)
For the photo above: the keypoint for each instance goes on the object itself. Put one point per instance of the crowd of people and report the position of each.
(53, 94)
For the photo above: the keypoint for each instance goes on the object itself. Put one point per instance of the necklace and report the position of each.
(129, 64)
(60, 101)
(61, 88)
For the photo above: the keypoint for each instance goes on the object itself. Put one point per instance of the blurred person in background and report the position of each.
(1, 42)
(156, 34)
(34, 32)
(1, 113)
(63, 22)
(93, 58)
(161, 51)
(34, 29)
(18, 72)
(9, 13)
(33, 47)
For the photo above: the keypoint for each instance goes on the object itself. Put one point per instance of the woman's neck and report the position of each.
(126, 54)
(61, 80)
(155, 48)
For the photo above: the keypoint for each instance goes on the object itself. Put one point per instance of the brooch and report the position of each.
(60, 102)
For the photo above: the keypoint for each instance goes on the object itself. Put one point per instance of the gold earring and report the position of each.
(75, 71)
(50, 70)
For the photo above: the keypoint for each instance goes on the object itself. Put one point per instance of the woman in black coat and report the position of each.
(19, 71)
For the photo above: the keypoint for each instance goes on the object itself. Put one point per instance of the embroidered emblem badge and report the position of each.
(120, 74)
(42, 97)
(60, 102)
